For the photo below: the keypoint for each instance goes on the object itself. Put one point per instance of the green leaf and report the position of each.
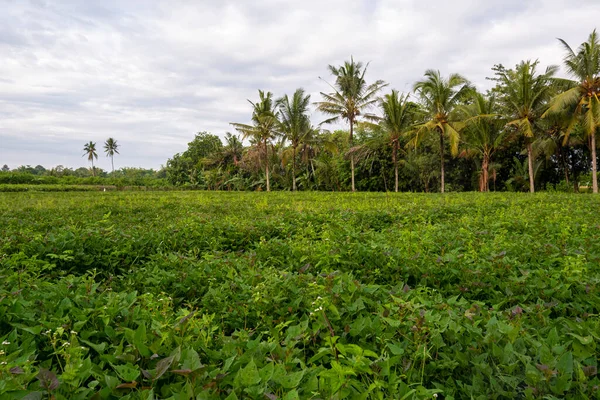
(395, 349)
(292, 380)
(127, 372)
(565, 363)
(291, 395)
(249, 375)
(190, 360)
(98, 347)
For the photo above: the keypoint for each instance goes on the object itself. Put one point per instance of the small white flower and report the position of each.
(73, 333)
(3, 363)
(435, 396)
(5, 343)
(2, 352)
(66, 344)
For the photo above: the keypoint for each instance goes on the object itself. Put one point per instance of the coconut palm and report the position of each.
(351, 97)
(583, 98)
(295, 123)
(483, 134)
(89, 150)
(265, 126)
(111, 148)
(399, 115)
(523, 95)
(440, 98)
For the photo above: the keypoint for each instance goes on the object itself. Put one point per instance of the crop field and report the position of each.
(183, 295)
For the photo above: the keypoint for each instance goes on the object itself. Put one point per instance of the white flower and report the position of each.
(2, 352)
(5, 343)
(73, 333)
(66, 344)
(3, 363)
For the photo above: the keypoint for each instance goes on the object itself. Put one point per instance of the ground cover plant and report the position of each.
(179, 295)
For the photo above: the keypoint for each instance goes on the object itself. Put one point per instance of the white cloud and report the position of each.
(152, 73)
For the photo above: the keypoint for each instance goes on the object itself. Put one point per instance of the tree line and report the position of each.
(531, 129)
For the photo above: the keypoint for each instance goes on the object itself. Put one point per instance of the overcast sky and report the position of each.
(152, 73)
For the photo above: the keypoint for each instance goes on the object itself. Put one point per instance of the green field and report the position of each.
(299, 295)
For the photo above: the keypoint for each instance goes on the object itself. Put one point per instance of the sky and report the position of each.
(152, 73)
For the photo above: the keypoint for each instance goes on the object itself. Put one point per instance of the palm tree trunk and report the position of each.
(352, 155)
(93, 170)
(294, 170)
(530, 162)
(267, 166)
(442, 158)
(594, 170)
(395, 156)
(112, 162)
(485, 173)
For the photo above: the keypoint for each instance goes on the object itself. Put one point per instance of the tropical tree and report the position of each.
(265, 126)
(399, 115)
(440, 98)
(483, 134)
(523, 95)
(233, 150)
(111, 148)
(295, 123)
(89, 150)
(582, 100)
(351, 97)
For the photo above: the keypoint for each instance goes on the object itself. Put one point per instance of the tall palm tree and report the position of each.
(89, 150)
(350, 98)
(583, 98)
(523, 95)
(265, 126)
(483, 134)
(440, 97)
(398, 117)
(111, 148)
(295, 123)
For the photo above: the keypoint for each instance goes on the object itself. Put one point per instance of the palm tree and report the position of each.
(90, 150)
(295, 123)
(265, 126)
(110, 148)
(523, 95)
(398, 117)
(440, 98)
(483, 134)
(350, 98)
(583, 98)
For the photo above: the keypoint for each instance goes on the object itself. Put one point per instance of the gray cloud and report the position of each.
(152, 73)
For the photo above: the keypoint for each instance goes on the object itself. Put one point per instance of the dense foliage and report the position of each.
(306, 296)
(531, 130)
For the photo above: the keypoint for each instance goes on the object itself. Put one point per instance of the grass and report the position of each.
(299, 295)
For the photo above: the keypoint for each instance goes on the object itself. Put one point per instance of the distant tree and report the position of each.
(582, 100)
(295, 123)
(89, 150)
(5, 168)
(265, 126)
(483, 134)
(523, 95)
(350, 98)
(398, 117)
(188, 167)
(111, 148)
(440, 98)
